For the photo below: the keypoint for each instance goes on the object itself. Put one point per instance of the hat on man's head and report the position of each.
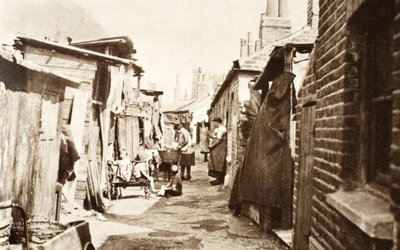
(174, 168)
(217, 119)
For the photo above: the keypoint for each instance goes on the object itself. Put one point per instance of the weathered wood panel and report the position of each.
(128, 134)
(31, 167)
(77, 123)
(44, 56)
(82, 165)
(302, 227)
(45, 172)
(73, 66)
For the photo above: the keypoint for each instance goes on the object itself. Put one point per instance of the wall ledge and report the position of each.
(368, 212)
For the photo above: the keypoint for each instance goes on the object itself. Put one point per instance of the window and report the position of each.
(375, 35)
(379, 103)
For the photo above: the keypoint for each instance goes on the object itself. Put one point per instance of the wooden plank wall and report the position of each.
(128, 134)
(29, 142)
(73, 66)
(20, 115)
(80, 192)
(74, 113)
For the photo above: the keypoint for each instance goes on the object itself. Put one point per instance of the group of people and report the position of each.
(217, 148)
(138, 170)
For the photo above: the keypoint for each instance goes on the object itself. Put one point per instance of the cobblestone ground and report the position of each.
(199, 219)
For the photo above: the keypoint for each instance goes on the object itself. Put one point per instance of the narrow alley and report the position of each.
(199, 219)
(187, 124)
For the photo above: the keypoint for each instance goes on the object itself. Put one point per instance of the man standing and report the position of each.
(218, 151)
(185, 146)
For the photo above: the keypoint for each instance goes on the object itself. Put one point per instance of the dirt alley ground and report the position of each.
(199, 219)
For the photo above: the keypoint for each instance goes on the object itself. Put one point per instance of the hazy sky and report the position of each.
(171, 36)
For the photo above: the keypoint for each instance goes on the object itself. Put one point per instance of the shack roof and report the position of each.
(121, 46)
(105, 41)
(8, 53)
(69, 49)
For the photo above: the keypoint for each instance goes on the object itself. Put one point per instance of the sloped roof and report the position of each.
(8, 53)
(75, 50)
(107, 40)
(198, 104)
(257, 61)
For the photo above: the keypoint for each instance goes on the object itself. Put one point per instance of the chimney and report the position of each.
(257, 45)
(243, 48)
(274, 24)
(312, 14)
(272, 8)
(283, 8)
(250, 44)
(177, 93)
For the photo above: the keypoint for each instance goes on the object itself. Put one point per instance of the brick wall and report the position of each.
(229, 107)
(273, 29)
(333, 81)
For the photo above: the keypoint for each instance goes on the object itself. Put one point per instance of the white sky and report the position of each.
(176, 36)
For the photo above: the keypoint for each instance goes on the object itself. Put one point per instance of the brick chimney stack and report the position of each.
(243, 48)
(258, 45)
(274, 24)
(177, 93)
(250, 43)
(312, 14)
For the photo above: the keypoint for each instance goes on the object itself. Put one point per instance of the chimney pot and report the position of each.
(272, 8)
(283, 8)
(257, 45)
(250, 43)
(243, 48)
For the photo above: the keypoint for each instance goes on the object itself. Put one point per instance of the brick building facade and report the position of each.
(348, 131)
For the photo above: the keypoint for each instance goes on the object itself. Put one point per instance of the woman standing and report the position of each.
(185, 146)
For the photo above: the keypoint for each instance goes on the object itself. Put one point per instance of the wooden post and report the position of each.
(137, 92)
(77, 127)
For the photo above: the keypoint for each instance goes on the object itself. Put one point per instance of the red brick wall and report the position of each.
(334, 76)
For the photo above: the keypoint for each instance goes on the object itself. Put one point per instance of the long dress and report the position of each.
(217, 162)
